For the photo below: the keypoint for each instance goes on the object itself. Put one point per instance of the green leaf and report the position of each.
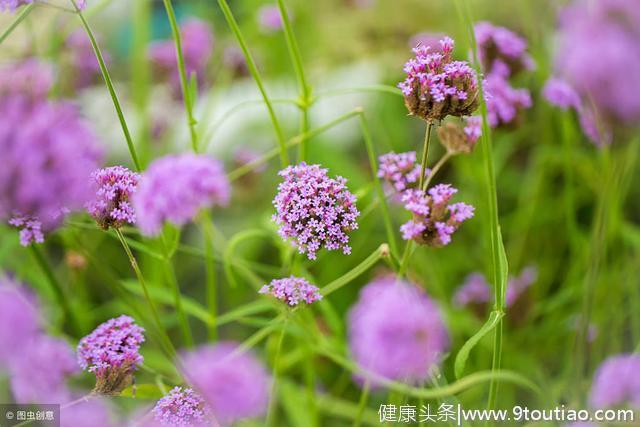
(295, 404)
(463, 354)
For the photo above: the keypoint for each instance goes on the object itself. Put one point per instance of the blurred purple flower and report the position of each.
(428, 40)
(234, 60)
(292, 290)
(112, 353)
(39, 373)
(115, 187)
(475, 290)
(560, 93)
(315, 210)
(501, 45)
(617, 382)
(30, 229)
(175, 188)
(12, 5)
(90, 413)
(182, 408)
(436, 86)
(86, 69)
(473, 129)
(234, 383)
(197, 46)
(48, 153)
(434, 219)
(396, 332)
(504, 102)
(19, 319)
(269, 18)
(31, 78)
(400, 170)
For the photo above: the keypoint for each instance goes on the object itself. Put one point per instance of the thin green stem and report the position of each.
(110, 87)
(55, 285)
(253, 69)
(211, 274)
(154, 311)
(425, 153)
(304, 90)
(436, 169)
(186, 93)
(406, 255)
(373, 164)
(381, 252)
(271, 412)
(19, 18)
(362, 403)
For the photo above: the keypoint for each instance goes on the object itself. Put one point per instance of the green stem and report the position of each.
(284, 157)
(56, 287)
(364, 397)
(21, 16)
(406, 255)
(166, 341)
(381, 252)
(436, 169)
(212, 282)
(373, 164)
(425, 153)
(304, 89)
(109, 83)
(186, 93)
(271, 416)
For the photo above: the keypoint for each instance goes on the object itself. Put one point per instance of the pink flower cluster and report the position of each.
(292, 291)
(434, 219)
(114, 188)
(182, 408)
(314, 210)
(400, 170)
(436, 86)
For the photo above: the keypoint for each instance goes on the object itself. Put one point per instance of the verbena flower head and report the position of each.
(39, 373)
(436, 86)
(19, 319)
(30, 78)
(12, 5)
(234, 383)
(399, 170)
(175, 188)
(314, 210)
(112, 353)
(457, 139)
(617, 383)
(115, 187)
(504, 102)
(269, 18)
(434, 218)
(182, 408)
(292, 291)
(499, 45)
(598, 39)
(197, 45)
(396, 332)
(46, 165)
(30, 229)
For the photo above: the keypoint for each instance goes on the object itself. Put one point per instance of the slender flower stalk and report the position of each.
(186, 93)
(21, 16)
(110, 87)
(253, 69)
(425, 154)
(444, 159)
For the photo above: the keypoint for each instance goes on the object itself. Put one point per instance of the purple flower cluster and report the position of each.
(458, 139)
(476, 290)
(234, 383)
(400, 170)
(46, 164)
(395, 332)
(292, 291)
(434, 219)
(498, 46)
(197, 45)
(19, 318)
(112, 352)
(617, 383)
(175, 188)
(182, 408)
(90, 413)
(269, 18)
(504, 102)
(315, 210)
(12, 5)
(436, 86)
(115, 187)
(30, 78)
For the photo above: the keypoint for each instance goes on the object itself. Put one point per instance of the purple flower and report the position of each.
(396, 332)
(111, 206)
(434, 219)
(197, 45)
(314, 210)
(90, 413)
(436, 86)
(30, 229)
(428, 40)
(39, 374)
(500, 45)
(269, 18)
(234, 383)
(12, 5)
(292, 290)
(517, 286)
(597, 40)
(473, 129)
(175, 188)
(400, 170)
(182, 408)
(457, 139)
(504, 102)
(617, 382)
(48, 153)
(475, 290)
(31, 78)
(85, 65)
(19, 319)
(560, 93)
(112, 353)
